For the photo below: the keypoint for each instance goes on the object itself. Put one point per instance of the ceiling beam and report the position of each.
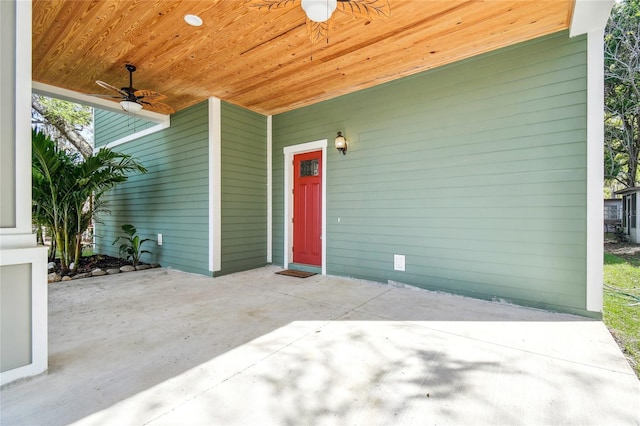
(92, 101)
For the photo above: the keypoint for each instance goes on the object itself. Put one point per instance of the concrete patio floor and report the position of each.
(163, 347)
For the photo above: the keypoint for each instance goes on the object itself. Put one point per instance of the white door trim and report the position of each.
(289, 152)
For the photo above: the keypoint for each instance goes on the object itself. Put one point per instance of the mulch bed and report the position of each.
(89, 263)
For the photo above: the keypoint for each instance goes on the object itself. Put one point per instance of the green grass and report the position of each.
(86, 251)
(622, 305)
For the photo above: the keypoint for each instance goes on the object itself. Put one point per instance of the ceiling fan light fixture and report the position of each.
(319, 10)
(129, 106)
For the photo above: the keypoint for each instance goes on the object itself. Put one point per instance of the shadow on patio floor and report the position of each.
(166, 347)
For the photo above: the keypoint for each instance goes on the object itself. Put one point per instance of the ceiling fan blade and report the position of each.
(110, 87)
(369, 9)
(157, 107)
(149, 95)
(318, 31)
(270, 4)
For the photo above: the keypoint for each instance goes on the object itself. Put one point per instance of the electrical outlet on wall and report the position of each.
(159, 239)
(398, 262)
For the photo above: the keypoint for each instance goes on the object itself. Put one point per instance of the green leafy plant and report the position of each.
(132, 247)
(67, 191)
(620, 236)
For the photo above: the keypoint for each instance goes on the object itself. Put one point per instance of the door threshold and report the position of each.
(305, 268)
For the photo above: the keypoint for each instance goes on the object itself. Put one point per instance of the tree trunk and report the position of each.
(53, 249)
(77, 249)
(64, 266)
(39, 236)
(78, 253)
(634, 151)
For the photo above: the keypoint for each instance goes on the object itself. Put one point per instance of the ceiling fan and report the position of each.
(319, 11)
(133, 100)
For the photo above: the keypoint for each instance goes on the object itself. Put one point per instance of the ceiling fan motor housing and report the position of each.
(130, 90)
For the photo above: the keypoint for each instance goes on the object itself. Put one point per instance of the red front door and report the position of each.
(307, 208)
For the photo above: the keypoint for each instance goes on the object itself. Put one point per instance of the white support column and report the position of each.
(21, 260)
(595, 173)
(590, 17)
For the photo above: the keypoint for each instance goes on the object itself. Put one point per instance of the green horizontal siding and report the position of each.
(476, 172)
(171, 199)
(244, 189)
(111, 126)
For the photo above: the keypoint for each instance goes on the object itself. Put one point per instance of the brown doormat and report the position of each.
(297, 274)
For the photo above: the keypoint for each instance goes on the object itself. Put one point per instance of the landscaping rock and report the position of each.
(98, 272)
(127, 268)
(155, 265)
(66, 278)
(142, 267)
(78, 276)
(51, 265)
(53, 277)
(113, 271)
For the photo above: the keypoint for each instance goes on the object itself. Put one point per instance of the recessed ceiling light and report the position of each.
(193, 20)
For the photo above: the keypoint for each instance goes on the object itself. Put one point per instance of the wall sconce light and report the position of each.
(341, 143)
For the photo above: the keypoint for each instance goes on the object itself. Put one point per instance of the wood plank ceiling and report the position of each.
(263, 60)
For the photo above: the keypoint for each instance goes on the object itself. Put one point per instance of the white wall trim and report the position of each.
(215, 184)
(269, 189)
(595, 174)
(37, 258)
(289, 152)
(137, 135)
(589, 15)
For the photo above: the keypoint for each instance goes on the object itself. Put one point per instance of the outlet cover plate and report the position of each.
(398, 262)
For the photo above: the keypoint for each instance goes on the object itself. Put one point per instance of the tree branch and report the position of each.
(65, 129)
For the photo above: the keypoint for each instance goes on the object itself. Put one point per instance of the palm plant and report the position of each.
(67, 190)
(132, 247)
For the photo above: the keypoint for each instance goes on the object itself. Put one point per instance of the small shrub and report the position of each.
(132, 246)
(620, 236)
